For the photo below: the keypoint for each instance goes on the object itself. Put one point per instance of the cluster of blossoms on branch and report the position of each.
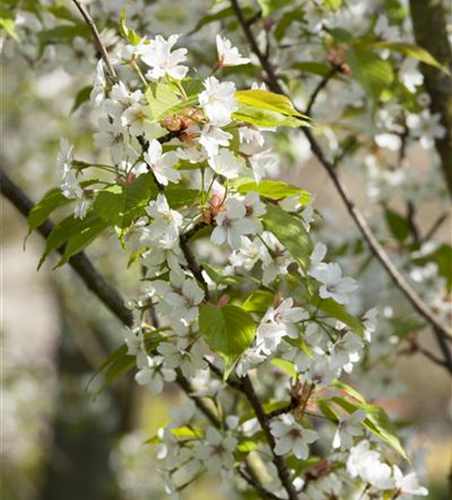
(234, 291)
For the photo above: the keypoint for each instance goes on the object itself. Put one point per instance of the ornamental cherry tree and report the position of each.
(241, 304)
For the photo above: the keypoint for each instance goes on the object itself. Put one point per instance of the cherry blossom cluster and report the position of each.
(203, 146)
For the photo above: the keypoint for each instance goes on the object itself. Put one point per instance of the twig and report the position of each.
(257, 485)
(100, 45)
(436, 225)
(435, 359)
(379, 252)
(193, 265)
(264, 421)
(323, 83)
(282, 411)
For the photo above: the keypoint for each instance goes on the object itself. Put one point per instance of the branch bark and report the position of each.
(80, 262)
(359, 219)
(98, 40)
(429, 25)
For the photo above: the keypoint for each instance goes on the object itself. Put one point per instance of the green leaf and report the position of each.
(219, 278)
(377, 421)
(398, 225)
(82, 96)
(227, 330)
(64, 33)
(50, 202)
(161, 99)
(333, 4)
(125, 32)
(291, 232)
(338, 311)
(287, 19)
(211, 18)
(258, 301)
(245, 447)
(7, 23)
(442, 256)
(180, 197)
(327, 411)
(263, 118)
(119, 205)
(263, 99)
(299, 466)
(270, 6)
(372, 72)
(60, 11)
(88, 233)
(413, 51)
(316, 68)
(275, 190)
(63, 231)
(183, 433)
(285, 366)
(119, 363)
(349, 390)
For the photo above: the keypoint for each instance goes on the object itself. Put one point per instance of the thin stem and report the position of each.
(436, 225)
(323, 83)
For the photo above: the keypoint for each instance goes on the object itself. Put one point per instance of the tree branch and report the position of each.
(322, 84)
(264, 421)
(98, 40)
(360, 221)
(430, 31)
(80, 262)
(257, 485)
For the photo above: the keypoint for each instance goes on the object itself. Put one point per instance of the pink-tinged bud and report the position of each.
(216, 203)
(224, 300)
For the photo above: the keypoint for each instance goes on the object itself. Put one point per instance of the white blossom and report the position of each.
(367, 465)
(212, 138)
(153, 373)
(426, 127)
(134, 340)
(163, 61)
(348, 429)
(218, 101)
(232, 224)
(165, 227)
(162, 163)
(333, 284)
(97, 95)
(291, 437)
(407, 485)
(181, 355)
(227, 54)
(227, 163)
(217, 451)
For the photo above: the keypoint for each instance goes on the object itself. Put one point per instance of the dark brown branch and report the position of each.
(193, 265)
(360, 221)
(430, 30)
(257, 485)
(322, 84)
(80, 263)
(436, 225)
(282, 411)
(98, 40)
(264, 421)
